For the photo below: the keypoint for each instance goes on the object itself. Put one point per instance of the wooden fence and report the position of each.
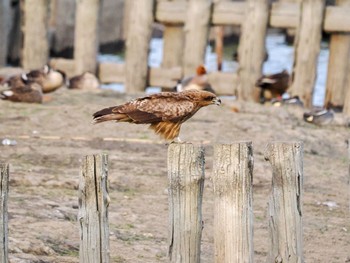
(186, 30)
(233, 211)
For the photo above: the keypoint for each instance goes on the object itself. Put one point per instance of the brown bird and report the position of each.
(197, 82)
(48, 78)
(30, 92)
(165, 111)
(273, 86)
(85, 81)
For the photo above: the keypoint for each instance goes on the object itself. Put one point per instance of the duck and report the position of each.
(273, 86)
(85, 81)
(197, 82)
(48, 78)
(319, 116)
(27, 91)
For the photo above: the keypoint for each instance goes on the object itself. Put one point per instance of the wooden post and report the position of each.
(86, 36)
(4, 188)
(346, 109)
(251, 49)
(307, 48)
(196, 34)
(35, 49)
(285, 205)
(137, 45)
(233, 212)
(93, 210)
(339, 52)
(186, 181)
(219, 46)
(4, 30)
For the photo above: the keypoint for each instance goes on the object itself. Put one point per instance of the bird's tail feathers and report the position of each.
(107, 114)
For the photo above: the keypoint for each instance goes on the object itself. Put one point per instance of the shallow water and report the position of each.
(280, 57)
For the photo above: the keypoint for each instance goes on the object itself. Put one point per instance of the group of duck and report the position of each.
(272, 88)
(31, 86)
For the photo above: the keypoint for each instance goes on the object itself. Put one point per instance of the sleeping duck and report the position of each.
(273, 86)
(27, 91)
(48, 78)
(85, 81)
(319, 116)
(198, 81)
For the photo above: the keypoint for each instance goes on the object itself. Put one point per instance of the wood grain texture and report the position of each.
(346, 109)
(251, 48)
(186, 182)
(338, 64)
(337, 19)
(93, 210)
(4, 30)
(137, 45)
(196, 34)
(4, 189)
(307, 48)
(86, 36)
(233, 211)
(35, 49)
(285, 202)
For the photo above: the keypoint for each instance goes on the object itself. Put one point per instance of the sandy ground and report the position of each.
(53, 138)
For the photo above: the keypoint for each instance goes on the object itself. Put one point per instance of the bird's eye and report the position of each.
(209, 98)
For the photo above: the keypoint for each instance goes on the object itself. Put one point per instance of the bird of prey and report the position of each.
(165, 111)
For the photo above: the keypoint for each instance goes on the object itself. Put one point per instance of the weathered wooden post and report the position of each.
(4, 30)
(339, 52)
(346, 109)
(93, 210)
(4, 188)
(307, 48)
(233, 212)
(173, 43)
(196, 34)
(285, 205)
(35, 49)
(86, 35)
(186, 181)
(137, 45)
(251, 48)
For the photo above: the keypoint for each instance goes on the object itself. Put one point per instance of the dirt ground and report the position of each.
(53, 138)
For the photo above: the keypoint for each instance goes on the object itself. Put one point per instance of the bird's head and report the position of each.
(201, 70)
(207, 98)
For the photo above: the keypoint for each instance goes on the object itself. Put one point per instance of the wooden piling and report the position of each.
(196, 34)
(346, 109)
(233, 212)
(285, 205)
(137, 45)
(173, 43)
(307, 48)
(35, 49)
(4, 30)
(251, 48)
(4, 188)
(186, 181)
(339, 52)
(86, 36)
(93, 210)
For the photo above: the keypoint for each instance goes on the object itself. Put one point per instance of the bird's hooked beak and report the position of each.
(216, 101)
